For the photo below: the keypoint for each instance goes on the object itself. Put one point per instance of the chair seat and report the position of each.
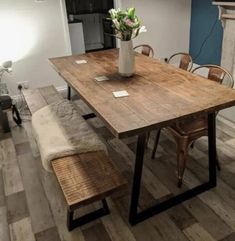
(190, 126)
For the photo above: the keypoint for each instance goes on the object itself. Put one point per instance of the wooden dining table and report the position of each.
(159, 95)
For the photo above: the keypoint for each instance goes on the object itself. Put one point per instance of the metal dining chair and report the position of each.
(183, 60)
(145, 49)
(186, 132)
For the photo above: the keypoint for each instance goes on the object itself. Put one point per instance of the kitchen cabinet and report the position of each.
(88, 6)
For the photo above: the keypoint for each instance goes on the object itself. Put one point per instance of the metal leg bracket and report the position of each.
(74, 223)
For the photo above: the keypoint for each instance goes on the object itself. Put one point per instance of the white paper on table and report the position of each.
(119, 94)
(101, 78)
(82, 61)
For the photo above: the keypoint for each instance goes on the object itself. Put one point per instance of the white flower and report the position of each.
(143, 29)
(113, 12)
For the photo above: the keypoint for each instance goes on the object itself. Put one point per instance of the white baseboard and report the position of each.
(61, 88)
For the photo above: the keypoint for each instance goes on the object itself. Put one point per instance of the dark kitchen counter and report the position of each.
(75, 21)
(89, 12)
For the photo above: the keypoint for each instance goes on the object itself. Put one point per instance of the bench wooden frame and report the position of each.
(79, 175)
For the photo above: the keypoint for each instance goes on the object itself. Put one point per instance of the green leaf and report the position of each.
(131, 13)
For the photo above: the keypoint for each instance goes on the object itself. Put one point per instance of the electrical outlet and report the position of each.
(26, 85)
(163, 60)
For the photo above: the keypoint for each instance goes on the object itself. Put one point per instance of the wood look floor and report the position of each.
(32, 206)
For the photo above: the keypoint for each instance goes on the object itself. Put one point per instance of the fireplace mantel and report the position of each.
(227, 17)
(225, 11)
(224, 4)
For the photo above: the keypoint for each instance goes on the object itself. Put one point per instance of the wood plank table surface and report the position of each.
(159, 95)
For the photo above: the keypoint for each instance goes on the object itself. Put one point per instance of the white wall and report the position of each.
(32, 32)
(41, 31)
(167, 22)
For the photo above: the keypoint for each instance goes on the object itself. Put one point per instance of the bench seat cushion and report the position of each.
(60, 131)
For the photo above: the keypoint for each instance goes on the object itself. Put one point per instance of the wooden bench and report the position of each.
(83, 178)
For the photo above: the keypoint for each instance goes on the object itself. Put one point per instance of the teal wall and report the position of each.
(203, 18)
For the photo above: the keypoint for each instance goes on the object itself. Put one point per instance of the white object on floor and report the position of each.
(83, 61)
(119, 94)
(101, 78)
(60, 131)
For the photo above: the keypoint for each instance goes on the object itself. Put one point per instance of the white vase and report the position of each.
(126, 59)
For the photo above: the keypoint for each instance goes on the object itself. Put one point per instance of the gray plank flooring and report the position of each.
(32, 206)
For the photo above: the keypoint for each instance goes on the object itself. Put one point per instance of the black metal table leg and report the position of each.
(135, 216)
(16, 115)
(137, 177)
(89, 116)
(69, 93)
(212, 148)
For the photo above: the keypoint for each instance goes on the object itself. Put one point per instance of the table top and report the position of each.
(159, 93)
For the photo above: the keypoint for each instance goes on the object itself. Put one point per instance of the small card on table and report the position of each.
(101, 78)
(82, 61)
(119, 94)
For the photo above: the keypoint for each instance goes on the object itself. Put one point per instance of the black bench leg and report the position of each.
(74, 223)
(69, 93)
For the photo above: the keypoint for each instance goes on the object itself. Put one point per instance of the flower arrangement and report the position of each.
(126, 24)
